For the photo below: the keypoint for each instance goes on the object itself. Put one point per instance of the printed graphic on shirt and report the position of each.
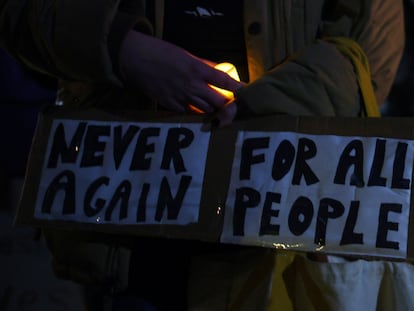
(200, 11)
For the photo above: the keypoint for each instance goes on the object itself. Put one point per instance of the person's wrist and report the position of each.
(124, 56)
(121, 25)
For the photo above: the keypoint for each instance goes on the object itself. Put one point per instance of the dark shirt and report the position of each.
(211, 30)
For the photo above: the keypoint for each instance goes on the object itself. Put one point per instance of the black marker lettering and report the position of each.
(245, 198)
(283, 160)
(268, 213)
(65, 182)
(88, 209)
(347, 160)
(328, 209)
(348, 235)
(167, 201)
(92, 147)
(122, 142)
(139, 161)
(142, 203)
(247, 157)
(177, 138)
(384, 225)
(398, 181)
(120, 197)
(306, 151)
(377, 164)
(300, 216)
(67, 153)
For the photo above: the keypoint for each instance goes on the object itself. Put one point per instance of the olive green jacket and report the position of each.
(292, 69)
(296, 71)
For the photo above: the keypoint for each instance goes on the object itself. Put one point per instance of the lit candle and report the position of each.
(232, 72)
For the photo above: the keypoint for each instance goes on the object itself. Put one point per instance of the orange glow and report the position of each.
(195, 109)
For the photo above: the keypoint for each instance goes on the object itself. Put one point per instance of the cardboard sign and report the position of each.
(122, 173)
(310, 189)
(335, 185)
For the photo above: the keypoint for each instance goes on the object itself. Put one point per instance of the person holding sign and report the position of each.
(303, 58)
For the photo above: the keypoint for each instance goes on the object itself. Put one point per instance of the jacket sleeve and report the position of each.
(69, 39)
(320, 80)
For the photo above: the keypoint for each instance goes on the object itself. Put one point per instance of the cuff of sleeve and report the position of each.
(120, 26)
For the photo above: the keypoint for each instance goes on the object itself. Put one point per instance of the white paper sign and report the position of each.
(333, 193)
(122, 172)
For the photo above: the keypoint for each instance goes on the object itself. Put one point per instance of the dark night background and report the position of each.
(26, 281)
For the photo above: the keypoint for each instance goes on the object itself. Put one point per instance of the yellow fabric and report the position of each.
(351, 49)
(279, 298)
(359, 60)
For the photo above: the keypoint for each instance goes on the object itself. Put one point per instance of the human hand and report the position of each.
(172, 76)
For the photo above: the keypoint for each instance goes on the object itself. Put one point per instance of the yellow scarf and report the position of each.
(359, 60)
